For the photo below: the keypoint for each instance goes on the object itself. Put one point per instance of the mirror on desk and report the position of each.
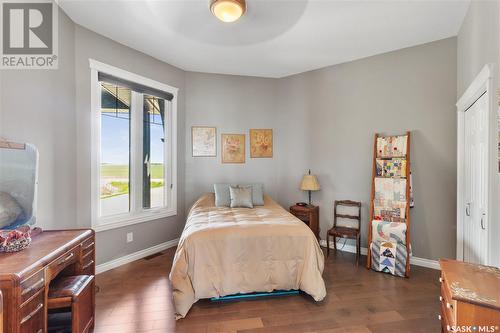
(18, 184)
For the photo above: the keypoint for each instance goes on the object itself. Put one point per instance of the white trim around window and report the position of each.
(137, 214)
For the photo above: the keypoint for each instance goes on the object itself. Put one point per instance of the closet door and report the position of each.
(476, 170)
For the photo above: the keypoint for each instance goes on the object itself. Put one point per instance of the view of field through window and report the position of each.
(116, 145)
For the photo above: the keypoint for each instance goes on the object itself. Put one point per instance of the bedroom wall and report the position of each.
(409, 89)
(38, 106)
(478, 41)
(325, 120)
(112, 243)
(233, 104)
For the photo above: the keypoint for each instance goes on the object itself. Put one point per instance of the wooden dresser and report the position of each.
(25, 276)
(309, 215)
(470, 297)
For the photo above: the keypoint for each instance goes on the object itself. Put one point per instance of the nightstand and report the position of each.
(309, 215)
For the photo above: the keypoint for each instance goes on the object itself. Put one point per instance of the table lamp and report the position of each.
(309, 183)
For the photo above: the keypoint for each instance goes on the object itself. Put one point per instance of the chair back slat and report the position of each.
(344, 210)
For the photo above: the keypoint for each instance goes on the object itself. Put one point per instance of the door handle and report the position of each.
(467, 209)
(482, 221)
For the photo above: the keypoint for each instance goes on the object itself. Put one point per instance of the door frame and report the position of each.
(484, 83)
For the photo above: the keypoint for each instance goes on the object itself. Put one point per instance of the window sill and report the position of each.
(115, 222)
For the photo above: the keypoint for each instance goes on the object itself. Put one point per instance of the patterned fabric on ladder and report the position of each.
(384, 231)
(389, 257)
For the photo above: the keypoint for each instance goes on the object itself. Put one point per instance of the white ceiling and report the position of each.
(274, 38)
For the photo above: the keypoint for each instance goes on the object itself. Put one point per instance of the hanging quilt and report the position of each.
(390, 214)
(391, 146)
(389, 257)
(384, 231)
(390, 189)
(393, 168)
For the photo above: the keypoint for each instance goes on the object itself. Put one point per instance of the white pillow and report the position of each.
(9, 209)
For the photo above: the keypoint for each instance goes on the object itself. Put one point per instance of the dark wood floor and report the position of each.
(137, 298)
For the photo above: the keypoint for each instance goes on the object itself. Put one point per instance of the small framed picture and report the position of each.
(233, 148)
(204, 141)
(261, 143)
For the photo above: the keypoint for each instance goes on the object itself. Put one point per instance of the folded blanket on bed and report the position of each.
(225, 251)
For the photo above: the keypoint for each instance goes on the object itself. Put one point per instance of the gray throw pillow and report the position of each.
(241, 196)
(257, 194)
(222, 197)
(9, 209)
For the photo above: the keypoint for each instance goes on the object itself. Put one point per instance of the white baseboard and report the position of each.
(434, 264)
(135, 256)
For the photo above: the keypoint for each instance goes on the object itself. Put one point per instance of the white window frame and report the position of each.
(137, 213)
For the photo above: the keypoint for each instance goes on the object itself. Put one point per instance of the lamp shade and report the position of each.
(309, 183)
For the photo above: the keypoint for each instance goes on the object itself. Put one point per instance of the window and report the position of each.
(133, 148)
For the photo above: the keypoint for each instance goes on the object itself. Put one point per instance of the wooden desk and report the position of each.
(25, 276)
(470, 296)
(309, 215)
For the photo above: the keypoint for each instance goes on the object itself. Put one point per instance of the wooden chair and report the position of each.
(74, 293)
(345, 230)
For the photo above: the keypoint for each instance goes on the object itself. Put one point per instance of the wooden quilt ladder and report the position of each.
(381, 157)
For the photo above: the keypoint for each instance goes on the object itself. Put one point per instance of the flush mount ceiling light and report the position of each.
(228, 10)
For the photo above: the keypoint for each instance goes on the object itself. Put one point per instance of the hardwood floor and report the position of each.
(137, 298)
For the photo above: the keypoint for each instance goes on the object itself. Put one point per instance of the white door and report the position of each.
(475, 238)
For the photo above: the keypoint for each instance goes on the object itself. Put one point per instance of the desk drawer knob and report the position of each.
(441, 279)
(88, 265)
(65, 260)
(34, 286)
(32, 313)
(440, 298)
(89, 246)
(449, 306)
(439, 317)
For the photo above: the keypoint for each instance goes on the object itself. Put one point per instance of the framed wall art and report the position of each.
(233, 148)
(261, 143)
(204, 141)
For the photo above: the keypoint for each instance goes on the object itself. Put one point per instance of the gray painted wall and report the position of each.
(38, 107)
(478, 41)
(325, 120)
(410, 89)
(233, 104)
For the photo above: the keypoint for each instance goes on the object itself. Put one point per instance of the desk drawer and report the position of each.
(68, 258)
(32, 284)
(88, 263)
(32, 315)
(88, 245)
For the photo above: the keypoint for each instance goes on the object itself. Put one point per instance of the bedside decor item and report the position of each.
(15, 240)
(261, 143)
(388, 231)
(18, 184)
(233, 148)
(309, 183)
(204, 141)
(344, 213)
(308, 214)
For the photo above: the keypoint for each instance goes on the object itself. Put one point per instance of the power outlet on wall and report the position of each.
(130, 237)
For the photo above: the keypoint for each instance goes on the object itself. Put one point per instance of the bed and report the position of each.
(225, 251)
